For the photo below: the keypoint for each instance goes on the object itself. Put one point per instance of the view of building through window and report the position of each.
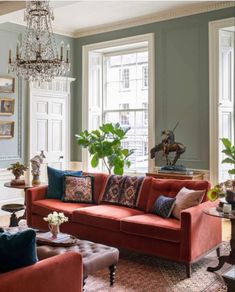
(126, 101)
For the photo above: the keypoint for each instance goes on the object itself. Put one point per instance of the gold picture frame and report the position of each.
(7, 106)
(6, 129)
(7, 84)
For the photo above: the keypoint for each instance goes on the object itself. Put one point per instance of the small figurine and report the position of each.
(168, 145)
(36, 162)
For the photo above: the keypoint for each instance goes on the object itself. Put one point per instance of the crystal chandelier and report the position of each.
(38, 58)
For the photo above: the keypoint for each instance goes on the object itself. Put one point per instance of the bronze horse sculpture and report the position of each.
(168, 145)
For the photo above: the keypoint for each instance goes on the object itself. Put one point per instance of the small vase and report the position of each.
(55, 230)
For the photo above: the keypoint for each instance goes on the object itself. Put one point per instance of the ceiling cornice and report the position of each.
(156, 17)
(10, 6)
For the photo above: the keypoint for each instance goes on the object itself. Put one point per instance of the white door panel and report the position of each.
(49, 123)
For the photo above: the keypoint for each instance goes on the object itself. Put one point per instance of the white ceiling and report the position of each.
(75, 17)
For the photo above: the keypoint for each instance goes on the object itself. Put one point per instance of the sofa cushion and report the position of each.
(103, 216)
(144, 193)
(153, 226)
(122, 190)
(78, 189)
(56, 182)
(46, 206)
(170, 188)
(17, 250)
(100, 180)
(164, 206)
(185, 199)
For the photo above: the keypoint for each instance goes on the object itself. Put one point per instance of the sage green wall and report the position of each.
(181, 80)
(16, 149)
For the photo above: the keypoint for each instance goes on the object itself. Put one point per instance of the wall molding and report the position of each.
(151, 18)
(19, 128)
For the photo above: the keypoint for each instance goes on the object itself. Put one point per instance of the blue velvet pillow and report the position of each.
(163, 206)
(56, 181)
(17, 250)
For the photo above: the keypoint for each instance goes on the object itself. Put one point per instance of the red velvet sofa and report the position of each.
(59, 273)
(184, 240)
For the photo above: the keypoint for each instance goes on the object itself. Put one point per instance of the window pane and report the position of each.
(126, 102)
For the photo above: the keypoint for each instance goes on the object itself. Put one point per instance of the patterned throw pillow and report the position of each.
(78, 189)
(122, 190)
(130, 191)
(163, 206)
(113, 189)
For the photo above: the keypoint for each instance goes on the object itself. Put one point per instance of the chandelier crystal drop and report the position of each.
(38, 59)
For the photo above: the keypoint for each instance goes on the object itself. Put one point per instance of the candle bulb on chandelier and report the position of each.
(62, 51)
(67, 53)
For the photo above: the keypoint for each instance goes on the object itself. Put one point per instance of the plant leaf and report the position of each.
(231, 171)
(228, 160)
(94, 161)
(227, 143)
(118, 170)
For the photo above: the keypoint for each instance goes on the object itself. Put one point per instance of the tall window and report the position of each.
(115, 81)
(129, 108)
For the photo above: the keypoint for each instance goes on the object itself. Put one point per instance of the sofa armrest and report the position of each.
(200, 232)
(59, 273)
(31, 195)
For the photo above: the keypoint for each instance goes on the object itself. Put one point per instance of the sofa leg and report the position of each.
(188, 270)
(112, 270)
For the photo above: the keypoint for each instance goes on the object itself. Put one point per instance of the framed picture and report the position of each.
(6, 129)
(7, 106)
(7, 84)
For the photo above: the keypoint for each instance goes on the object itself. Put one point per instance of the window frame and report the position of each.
(104, 47)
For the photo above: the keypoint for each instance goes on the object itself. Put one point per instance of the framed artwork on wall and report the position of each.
(6, 129)
(7, 84)
(7, 106)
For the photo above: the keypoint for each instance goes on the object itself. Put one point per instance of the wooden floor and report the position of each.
(226, 226)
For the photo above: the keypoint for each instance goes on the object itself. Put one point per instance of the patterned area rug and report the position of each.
(139, 273)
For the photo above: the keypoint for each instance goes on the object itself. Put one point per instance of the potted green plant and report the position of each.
(17, 170)
(105, 144)
(225, 189)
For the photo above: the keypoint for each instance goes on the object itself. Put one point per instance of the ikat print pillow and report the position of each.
(78, 189)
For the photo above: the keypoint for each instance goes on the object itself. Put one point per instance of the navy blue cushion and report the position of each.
(17, 250)
(163, 206)
(56, 181)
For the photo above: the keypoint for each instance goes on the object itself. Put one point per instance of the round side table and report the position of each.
(13, 208)
(231, 257)
(24, 188)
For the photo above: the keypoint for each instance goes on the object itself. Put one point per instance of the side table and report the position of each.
(231, 257)
(21, 187)
(172, 175)
(13, 208)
